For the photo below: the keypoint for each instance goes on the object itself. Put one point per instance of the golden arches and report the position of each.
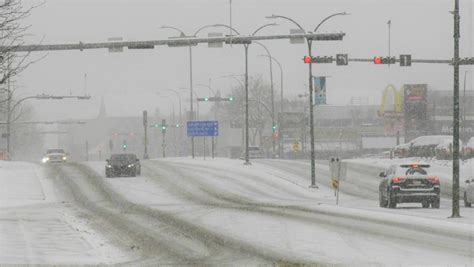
(398, 96)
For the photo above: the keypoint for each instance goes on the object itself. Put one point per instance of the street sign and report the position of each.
(117, 48)
(338, 169)
(214, 44)
(342, 59)
(405, 60)
(202, 128)
(319, 90)
(295, 40)
(296, 147)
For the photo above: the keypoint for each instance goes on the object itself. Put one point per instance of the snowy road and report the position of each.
(214, 212)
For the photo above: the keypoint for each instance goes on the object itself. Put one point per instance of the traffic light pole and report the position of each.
(311, 120)
(455, 208)
(246, 48)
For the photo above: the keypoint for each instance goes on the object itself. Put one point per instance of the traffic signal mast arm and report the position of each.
(177, 42)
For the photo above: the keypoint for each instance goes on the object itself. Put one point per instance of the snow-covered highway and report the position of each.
(215, 212)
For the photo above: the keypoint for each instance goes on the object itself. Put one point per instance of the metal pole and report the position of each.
(311, 120)
(455, 208)
(247, 162)
(389, 23)
(163, 144)
(145, 156)
(191, 93)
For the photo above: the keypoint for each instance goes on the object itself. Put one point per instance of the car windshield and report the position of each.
(128, 158)
(52, 151)
(415, 171)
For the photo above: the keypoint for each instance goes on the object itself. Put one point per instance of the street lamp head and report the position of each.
(272, 17)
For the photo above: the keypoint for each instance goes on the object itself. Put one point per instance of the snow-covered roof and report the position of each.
(429, 140)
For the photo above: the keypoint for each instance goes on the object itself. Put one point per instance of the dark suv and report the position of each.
(409, 183)
(122, 164)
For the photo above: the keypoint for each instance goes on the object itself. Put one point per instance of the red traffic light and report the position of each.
(307, 59)
(377, 60)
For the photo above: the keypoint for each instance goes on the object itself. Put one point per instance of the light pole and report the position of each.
(310, 72)
(241, 106)
(180, 121)
(197, 102)
(280, 147)
(272, 96)
(246, 45)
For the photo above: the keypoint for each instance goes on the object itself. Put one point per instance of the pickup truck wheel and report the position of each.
(425, 204)
(466, 203)
(436, 204)
(392, 204)
(382, 201)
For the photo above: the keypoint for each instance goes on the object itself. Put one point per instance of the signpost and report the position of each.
(203, 129)
(338, 173)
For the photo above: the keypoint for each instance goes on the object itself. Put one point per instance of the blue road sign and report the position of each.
(203, 128)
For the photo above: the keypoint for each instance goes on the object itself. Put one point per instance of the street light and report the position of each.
(280, 150)
(246, 45)
(311, 116)
(272, 96)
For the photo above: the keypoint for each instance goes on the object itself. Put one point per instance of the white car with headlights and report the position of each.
(56, 155)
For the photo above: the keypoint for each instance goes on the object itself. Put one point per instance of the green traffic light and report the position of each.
(177, 125)
(206, 98)
(156, 125)
(231, 98)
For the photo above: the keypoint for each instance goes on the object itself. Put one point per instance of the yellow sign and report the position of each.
(387, 101)
(296, 147)
(335, 184)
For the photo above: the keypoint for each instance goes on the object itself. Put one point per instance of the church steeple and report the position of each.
(102, 112)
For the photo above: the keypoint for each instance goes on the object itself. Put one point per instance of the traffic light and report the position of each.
(177, 125)
(308, 59)
(163, 126)
(384, 60)
(157, 125)
(231, 98)
(274, 128)
(124, 145)
(206, 98)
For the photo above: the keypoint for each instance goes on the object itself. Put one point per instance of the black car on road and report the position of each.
(122, 164)
(409, 183)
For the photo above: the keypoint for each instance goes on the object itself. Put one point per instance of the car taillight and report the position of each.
(434, 179)
(398, 179)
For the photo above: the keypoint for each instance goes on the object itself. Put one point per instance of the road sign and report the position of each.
(335, 184)
(338, 169)
(202, 128)
(342, 59)
(405, 60)
(319, 90)
(296, 147)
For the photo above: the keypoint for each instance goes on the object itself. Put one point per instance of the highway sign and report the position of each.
(341, 59)
(202, 128)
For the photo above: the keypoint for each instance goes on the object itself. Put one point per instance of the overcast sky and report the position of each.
(130, 81)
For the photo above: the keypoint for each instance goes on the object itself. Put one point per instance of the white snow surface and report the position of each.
(315, 238)
(36, 227)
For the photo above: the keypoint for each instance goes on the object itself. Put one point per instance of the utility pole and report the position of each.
(457, 35)
(163, 131)
(145, 124)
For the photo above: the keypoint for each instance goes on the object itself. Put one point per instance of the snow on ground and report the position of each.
(37, 228)
(309, 237)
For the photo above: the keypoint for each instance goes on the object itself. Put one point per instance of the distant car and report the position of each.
(254, 153)
(56, 155)
(409, 183)
(122, 164)
(468, 149)
(469, 193)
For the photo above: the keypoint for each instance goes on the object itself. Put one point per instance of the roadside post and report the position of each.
(145, 124)
(338, 173)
